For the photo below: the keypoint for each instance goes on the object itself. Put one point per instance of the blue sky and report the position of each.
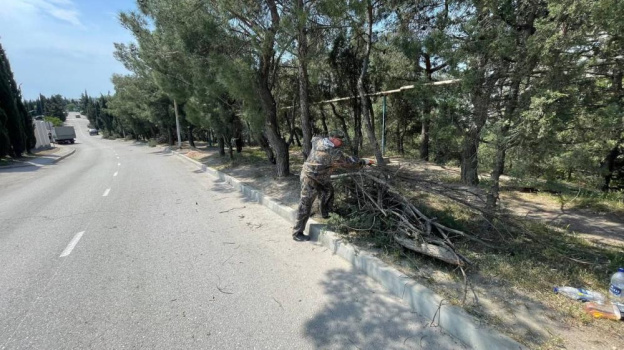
(63, 46)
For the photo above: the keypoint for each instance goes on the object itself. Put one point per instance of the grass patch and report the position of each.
(612, 202)
(248, 156)
(449, 179)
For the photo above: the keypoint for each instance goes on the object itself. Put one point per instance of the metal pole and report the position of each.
(383, 127)
(175, 109)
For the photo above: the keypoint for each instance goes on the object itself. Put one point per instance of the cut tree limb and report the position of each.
(431, 250)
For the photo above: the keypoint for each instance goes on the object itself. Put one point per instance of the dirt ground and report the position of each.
(534, 317)
(599, 228)
(45, 152)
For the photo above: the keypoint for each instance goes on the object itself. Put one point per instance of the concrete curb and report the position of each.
(421, 299)
(54, 161)
(73, 150)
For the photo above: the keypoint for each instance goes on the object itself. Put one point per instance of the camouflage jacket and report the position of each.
(325, 157)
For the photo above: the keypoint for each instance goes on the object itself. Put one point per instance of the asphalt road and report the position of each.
(123, 246)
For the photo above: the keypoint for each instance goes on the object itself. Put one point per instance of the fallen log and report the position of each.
(434, 251)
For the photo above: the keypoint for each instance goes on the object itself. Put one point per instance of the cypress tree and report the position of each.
(7, 107)
(18, 125)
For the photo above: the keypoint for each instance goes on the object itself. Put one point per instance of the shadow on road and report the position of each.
(357, 317)
(20, 169)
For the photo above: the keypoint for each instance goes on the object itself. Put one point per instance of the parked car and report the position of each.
(93, 132)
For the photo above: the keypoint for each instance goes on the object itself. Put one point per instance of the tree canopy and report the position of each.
(536, 86)
(16, 129)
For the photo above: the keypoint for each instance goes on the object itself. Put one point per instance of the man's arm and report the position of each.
(340, 160)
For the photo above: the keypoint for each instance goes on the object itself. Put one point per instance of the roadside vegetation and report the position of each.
(16, 131)
(54, 120)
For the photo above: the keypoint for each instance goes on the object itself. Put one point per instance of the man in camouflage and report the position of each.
(315, 178)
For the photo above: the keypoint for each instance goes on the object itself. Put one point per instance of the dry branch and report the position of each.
(403, 221)
(438, 252)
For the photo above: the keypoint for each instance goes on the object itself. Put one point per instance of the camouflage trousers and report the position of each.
(310, 189)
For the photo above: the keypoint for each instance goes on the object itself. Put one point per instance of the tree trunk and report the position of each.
(357, 127)
(470, 163)
(221, 145)
(366, 107)
(190, 136)
(607, 167)
(228, 141)
(238, 133)
(297, 140)
(426, 117)
(239, 144)
(170, 136)
(499, 168)
(302, 55)
(291, 129)
(481, 92)
(399, 138)
(264, 144)
(266, 65)
(424, 138)
(343, 123)
(372, 114)
(175, 110)
(323, 121)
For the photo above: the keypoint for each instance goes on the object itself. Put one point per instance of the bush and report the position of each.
(54, 120)
(108, 135)
(129, 137)
(152, 143)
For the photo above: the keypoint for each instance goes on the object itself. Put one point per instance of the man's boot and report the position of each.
(300, 237)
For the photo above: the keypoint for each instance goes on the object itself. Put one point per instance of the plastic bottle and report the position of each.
(580, 294)
(616, 289)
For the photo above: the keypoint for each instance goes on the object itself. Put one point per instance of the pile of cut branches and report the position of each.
(377, 196)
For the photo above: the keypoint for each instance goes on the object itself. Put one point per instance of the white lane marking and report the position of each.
(106, 192)
(72, 244)
(116, 172)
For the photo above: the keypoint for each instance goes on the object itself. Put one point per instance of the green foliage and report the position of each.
(152, 143)
(539, 94)
(16, 130)
(55, 106)
(54, 120)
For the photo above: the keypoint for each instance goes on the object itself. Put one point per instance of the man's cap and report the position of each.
(337, 134)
